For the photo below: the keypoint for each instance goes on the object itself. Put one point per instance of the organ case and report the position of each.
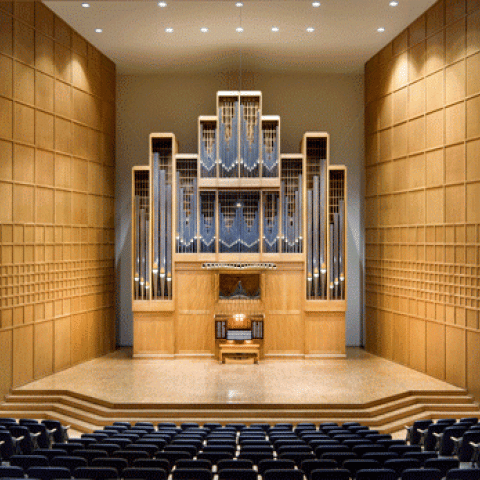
(239, 202)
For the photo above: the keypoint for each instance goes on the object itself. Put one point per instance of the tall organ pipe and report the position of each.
(309, 244)
(137, 246)
(335, 254)
(168, 254)
(156, 216)
(299, 214)
(323, 220)
(341, 224)
(163, 231)
(142, 253)
(332, 273)
(316, 267)
(228, 148)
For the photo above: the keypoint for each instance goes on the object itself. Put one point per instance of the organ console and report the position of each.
(239, 204)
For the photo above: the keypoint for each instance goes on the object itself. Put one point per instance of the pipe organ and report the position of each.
(239, 202)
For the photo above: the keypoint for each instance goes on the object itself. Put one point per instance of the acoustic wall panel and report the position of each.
(422, 254)
(56, 261)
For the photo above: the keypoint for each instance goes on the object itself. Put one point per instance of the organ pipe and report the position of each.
(249, 146)
(228, 139)
(309, 245)
(137, 245)
(341, 220)
(168, 229)
(163, 231)
(208, 150)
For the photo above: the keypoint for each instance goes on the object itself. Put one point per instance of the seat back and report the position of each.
(463, 474)
(69, 462)
(279, 474)
(145, 473)
(422, 474)
(192, 474)
(237, 474)
(97, 473)
(48, 473)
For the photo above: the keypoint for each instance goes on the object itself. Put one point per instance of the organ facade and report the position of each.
(239, 243)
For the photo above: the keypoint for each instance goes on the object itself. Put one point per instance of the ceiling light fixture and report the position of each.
(85, 5)
(239, 29)
(204, 29)
(310, 29)
(98, 30)
(169, 30)
(393, 3)
(239, 4)
(316, 4)
(275, 29)
(381, 29)
(162, 4)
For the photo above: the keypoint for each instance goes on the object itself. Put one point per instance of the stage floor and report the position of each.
(360, 378)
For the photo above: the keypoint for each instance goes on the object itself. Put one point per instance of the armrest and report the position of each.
(67, 427)
(422, 431)
(437, 435)
(35, 435)
(474, 445)
(2, 442)
(19, 439)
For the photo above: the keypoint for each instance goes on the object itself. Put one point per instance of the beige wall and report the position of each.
(57, 127)
(422, 207)
(305, 102)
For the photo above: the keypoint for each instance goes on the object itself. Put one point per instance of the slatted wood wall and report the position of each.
(57, 169)
(423, 195)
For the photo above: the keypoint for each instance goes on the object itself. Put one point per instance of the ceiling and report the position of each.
(134, 36)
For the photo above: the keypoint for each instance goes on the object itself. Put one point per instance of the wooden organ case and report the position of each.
(239, 244)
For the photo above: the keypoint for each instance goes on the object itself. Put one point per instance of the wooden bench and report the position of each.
(252, 349)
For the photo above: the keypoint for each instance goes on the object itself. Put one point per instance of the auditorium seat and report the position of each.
(173, 456)
(162, 463)
(68, 448)
(191, 463)
(89, 455)
(280, 464)
(355, 464)
(413, 435)
(422, 456)
(444, 445)
(234, 464)
(27, 441)
(442, 464)
(48, 473)
(60, 432)
(330, 474)
(181, 447)
(278, 474)
(401, 464)
(28, 461)
(422, 474)
(11, 472)
(51, 453)
(237, 474)
(96, 473)
(427, 439)
(215, 456)
(120, 464)
(380, 457)
(145, 473)
(69, 462)
(463, 474)
(376, 474)
(255, 457)
(315, 464)
(192, 474)
(145, 447)
(107, 447)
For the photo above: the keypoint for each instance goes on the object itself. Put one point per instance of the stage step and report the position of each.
(388, 415)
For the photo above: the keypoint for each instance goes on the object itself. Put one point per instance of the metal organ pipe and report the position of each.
(168, 229)
(163, 231)
(156, 214)
(249, 156)
(341, 223)
(322, 260)
(270, 158)
(335, 255)
(137, 246)
(228, 147)
(208, 152)
(316, 266)
(309, 244)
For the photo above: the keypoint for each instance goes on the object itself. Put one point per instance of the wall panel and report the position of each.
(422, 270)
(49, 262)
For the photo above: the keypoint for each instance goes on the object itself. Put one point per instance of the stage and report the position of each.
(360, 387)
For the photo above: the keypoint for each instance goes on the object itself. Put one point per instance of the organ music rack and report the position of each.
(239, 201)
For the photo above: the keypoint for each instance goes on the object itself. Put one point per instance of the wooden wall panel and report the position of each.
(154, 334)
(431, 308)
(284, 334)
(44, 236)
(325, 334)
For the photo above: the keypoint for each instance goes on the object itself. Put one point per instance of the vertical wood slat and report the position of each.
(431, 273)
(56, 253)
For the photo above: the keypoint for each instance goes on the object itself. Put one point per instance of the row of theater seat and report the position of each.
(232, 452)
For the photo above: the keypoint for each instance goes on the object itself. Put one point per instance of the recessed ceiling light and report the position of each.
(98, 30)
(315, 4)
(162, 4)
(310, 29)
(85, 5)
(381, 29)
(393, 3)
(275, 29)
(239, 29)
(169, 30)
(204, 29)
(239, 4)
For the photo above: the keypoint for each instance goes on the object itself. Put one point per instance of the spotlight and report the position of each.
(239, 29)
(381, 29)
(98, 30)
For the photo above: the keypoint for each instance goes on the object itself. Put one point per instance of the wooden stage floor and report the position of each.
(360, 386)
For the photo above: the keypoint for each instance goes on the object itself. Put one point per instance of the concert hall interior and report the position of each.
(209, 204)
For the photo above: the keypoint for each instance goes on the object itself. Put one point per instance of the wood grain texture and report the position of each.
(44, 252)
(422, 266)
